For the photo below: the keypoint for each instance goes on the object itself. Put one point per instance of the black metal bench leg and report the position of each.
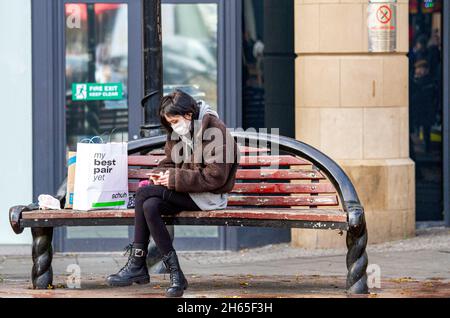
(42, 273)
(357, 259)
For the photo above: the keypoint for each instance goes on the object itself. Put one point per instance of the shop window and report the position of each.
(189, 36)
(425, 92)
(96, 52)
(190, 41)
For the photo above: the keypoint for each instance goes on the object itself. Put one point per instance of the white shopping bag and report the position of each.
(101, 176)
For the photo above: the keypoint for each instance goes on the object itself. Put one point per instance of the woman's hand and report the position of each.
(155, 178)
(164, 179)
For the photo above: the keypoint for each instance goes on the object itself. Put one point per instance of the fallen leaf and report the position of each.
(243, 284)
(402, 280)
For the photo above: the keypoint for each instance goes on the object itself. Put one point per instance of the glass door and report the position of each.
(103, 87)
(190, 49)
(191, 62)
(101, 44)
(96, 70)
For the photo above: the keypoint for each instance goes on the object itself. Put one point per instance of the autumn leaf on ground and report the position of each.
(402, 280)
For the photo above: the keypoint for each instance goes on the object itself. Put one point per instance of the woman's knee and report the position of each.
(152, 208)
(149, 191)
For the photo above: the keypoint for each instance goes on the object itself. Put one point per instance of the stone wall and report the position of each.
(353, 106)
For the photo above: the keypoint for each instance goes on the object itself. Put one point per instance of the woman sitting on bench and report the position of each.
(197, 174)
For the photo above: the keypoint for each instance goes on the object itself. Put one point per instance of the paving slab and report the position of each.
(418, 267)
(236, 286)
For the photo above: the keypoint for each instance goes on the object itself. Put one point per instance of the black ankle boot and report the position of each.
(134, 271)
(178, 282)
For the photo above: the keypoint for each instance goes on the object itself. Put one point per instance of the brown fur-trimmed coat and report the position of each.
(207, 174)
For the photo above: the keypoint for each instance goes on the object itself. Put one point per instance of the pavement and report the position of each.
(416, 267)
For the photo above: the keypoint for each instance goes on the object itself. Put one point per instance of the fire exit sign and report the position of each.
(95, 91)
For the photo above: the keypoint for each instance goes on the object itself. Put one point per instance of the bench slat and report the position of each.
(251, 174)
(148, 161)
(266, 174)
(243, 149)
(314, 215)
(152, 161)
(265, 188)
(315, 188)
(265, 161)
(282, 201)
(247, 149)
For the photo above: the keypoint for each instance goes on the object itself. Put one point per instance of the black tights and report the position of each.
(151, 202)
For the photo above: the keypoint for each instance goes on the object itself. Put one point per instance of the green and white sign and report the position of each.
(94, 91)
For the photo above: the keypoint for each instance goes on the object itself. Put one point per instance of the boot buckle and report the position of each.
(139, 253)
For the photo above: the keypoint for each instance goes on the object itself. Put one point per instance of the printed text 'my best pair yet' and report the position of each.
(102, 167)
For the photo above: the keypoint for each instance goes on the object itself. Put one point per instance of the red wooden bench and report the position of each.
(306, 189)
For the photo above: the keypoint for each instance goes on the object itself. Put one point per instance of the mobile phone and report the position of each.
(154, 175)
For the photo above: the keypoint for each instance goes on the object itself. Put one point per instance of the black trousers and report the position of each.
(152, 202)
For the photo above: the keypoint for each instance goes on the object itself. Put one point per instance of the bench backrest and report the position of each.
(295, 182)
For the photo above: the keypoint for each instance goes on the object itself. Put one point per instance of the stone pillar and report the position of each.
(353, 106)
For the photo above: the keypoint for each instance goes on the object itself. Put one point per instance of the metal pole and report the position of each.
(153, 65)
(92, 110)
(446, 111)
(153, 92)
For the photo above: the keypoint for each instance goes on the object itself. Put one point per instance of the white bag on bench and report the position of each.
(101, 176)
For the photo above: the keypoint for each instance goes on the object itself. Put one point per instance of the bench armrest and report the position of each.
(15, 212)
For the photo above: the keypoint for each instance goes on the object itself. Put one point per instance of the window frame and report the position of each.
(446, 112)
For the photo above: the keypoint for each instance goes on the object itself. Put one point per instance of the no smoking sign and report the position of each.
(384, 14)
(382, 25)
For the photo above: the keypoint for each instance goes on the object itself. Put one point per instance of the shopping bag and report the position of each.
(101, 176)
(71, 164)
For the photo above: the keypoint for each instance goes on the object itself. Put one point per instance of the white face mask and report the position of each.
(182, 127)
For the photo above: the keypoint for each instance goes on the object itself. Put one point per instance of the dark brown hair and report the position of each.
(177, 103)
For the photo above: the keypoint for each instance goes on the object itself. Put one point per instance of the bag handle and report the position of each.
(91, 140)
(112, 131)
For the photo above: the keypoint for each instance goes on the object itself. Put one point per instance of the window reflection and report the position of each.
(253, 81)
(425, 92)
(189, 33)
(189, 38)
(96, 52)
